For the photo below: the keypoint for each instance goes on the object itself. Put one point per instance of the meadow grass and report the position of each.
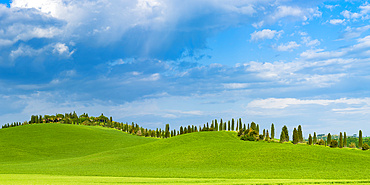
(30, 179)
(68, 151)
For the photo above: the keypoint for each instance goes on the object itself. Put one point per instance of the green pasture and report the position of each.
(72, 154)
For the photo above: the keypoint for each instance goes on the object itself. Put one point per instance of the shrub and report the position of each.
(321, 142)
(352, 145)
(247, 138)
(365, 146)
(250, 138)
(334, 143)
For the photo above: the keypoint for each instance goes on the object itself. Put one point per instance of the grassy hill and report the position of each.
(70, 150)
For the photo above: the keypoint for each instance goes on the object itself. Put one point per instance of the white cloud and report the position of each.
(62, 49)
(309, 42)
(358, 49)
(235, 85)
(265, 34)
(282, 103)
(296, 13)
(363, 14)
(337, 21)
(355, 32)
(331, 7)
(153, 77)
(290, 46)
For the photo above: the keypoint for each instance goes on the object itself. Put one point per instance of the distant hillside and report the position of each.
(62, 149)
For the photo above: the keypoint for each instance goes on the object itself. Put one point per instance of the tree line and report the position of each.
(246, 131)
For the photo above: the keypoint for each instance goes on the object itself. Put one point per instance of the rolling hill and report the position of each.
(73, 150)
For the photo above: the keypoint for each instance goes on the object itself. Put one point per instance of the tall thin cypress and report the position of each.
(300, 134)
(345, 140)
(232, 124)
(310, 139)
(329, 139)
(340, 140)
(240, 123)
(295, 136)
(314, 138)
(272, 131)
(216, 126)
(360, 139)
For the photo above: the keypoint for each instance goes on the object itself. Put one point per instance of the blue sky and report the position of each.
(187, 62)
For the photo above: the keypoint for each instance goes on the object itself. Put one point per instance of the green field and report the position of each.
(72, 154)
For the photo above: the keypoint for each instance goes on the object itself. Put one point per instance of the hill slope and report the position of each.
(196, 155)
(56, 141)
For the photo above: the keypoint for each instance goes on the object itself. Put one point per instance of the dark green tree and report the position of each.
(314, 138)
(240, 123)
(300, 134)
(267, 138)
(167, 132)
(221, 126)
(285, 133)
(216, 126)
(333, 143)
(272, 131)
(340, 140)
(329, 139)
(228, 124)
(253, 126)
(309, 139)
(264, 133)
(232, 124)
(181, 130)
(345, 140)
(360, 139)
(295, 136)
(258, 128)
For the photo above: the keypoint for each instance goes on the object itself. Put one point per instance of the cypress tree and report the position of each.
(300, 135)
(244, 128)
(221, 126)
(185, 130)
(267, 135)
(237, 125)
(282, 136)
(181, 130)
(314, 138)
(207, 126)
(258, 128)
(340, 140)
(264, 133)
(329, 139)
(167, 133)
(240, 123)
(295, 136)
(232, 124)
(216, 126)
(360, 139)
(224, 126)
(228, 124)
(272, 131)
(310, 139)
(285, 132)
(253, 126)
(345, 140)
